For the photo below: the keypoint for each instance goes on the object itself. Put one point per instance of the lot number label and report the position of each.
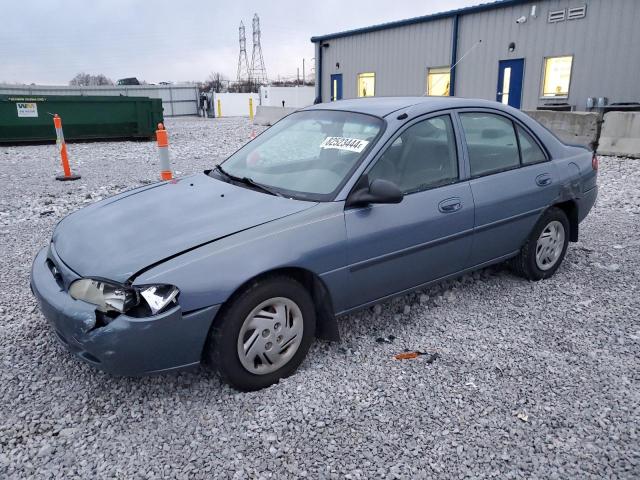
(343, 143)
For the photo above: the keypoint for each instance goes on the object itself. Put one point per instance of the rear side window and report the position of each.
(491, 142)
(529, 149)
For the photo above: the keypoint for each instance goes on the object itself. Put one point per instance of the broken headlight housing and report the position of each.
(113, 298)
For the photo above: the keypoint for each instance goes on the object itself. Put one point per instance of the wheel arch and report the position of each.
(570, 209)
(326, 323)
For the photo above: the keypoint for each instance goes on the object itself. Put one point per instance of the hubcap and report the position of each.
(549, 246)
(270, 335)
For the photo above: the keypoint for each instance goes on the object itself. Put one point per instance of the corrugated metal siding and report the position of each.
(391, 54)
(605, 45)
(176, 99)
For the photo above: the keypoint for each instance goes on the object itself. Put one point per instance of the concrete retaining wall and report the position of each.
(620, 134)
(270, 115)
(578, 128)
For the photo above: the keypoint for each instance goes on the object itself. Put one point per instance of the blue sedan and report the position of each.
(334, 208)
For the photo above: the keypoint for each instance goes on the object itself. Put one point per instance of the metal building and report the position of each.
(177, 100)
(559, 54)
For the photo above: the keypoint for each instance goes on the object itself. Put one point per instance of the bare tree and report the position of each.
(246, 86)
(87, 80)
(216, 81)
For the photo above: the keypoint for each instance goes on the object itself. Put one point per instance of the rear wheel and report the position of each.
(263, 334)
(544, 250)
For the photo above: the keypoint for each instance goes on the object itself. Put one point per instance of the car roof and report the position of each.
(383, 106)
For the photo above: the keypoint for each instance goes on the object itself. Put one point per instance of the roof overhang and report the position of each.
(425, 18)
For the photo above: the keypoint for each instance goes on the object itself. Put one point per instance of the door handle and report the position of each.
(450, 205)
(543, 180)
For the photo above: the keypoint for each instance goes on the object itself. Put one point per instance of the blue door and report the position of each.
(510, 82)
(336, 87)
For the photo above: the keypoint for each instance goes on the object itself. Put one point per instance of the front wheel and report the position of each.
(263, 334)
(544, 250)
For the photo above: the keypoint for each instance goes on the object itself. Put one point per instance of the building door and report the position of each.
(336, 87)
(510, 74)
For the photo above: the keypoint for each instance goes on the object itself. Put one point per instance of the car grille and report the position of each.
(63, 275)
(55, 272)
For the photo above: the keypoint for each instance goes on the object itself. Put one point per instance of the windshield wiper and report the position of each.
(247, 181)
(259, 186)
(219, 168)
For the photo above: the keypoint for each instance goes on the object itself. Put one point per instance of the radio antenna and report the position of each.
(455, 64)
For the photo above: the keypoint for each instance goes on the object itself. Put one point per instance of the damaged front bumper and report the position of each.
(126, 345)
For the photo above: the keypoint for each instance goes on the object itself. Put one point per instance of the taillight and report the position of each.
(594, 162)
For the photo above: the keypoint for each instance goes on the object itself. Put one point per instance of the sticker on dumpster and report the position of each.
(344, 143)
(27, 109)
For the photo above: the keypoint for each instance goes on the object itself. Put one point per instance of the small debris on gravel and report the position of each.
(534, 379)
(388, 339)
(410, 355)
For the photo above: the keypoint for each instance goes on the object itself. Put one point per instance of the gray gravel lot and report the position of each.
(533, 380)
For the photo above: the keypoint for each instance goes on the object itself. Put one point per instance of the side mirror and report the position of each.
(379, 191)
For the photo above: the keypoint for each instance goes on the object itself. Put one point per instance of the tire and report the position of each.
(273, 322)
(552, 231)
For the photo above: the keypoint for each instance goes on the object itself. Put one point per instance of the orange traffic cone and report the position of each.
(163, 152)
(57, 123)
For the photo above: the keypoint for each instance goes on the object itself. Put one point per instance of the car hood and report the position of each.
(120, 236)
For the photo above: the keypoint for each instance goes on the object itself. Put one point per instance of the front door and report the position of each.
(336, 87)
(510, 73)
(425, 237)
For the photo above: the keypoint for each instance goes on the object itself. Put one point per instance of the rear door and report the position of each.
(512, 182)
(392, 248)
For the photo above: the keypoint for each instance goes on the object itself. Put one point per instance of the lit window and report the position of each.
(366, 84)
(557, 75)
(438, 81)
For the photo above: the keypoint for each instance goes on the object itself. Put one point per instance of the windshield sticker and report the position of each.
(344, 143)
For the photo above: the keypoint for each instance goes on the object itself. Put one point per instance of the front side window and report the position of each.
(438, 81)
(308, 154)
(366, 84)
(423, 156)
(491, 143)
(557, 76)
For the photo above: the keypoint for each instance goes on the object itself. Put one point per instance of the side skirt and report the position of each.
(429, 283)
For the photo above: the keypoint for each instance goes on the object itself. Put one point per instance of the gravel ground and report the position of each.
(533, 380)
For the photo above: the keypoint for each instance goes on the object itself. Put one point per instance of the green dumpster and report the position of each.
(29, 118)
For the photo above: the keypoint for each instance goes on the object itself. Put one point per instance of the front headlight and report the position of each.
(110, 297)
(158, 296)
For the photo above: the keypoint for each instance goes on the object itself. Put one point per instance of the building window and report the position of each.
(366, 84)
(438, 81)
(557, 75)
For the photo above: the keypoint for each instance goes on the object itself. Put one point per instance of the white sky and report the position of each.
(49, 41)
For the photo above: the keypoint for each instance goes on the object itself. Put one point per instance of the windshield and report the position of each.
(307, 154)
